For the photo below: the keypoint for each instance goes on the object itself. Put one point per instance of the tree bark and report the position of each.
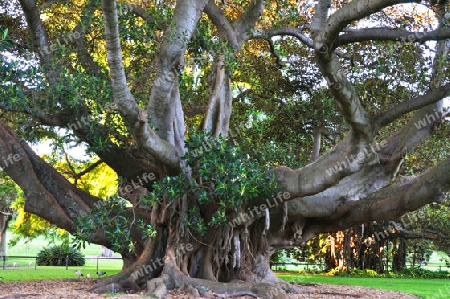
(399, 255)
(217, 120)
(5, 217)
(334, 192)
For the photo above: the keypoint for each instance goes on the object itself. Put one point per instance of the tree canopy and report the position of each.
(236, 127)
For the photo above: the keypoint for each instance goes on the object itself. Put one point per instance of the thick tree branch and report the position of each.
(324, 40)
(392, 202)
(429, 98)
(217, 118)
(355, 10)
(224, 27)
(47, 193)
(408, 234)
(320, 17)
(122, 94)
(245, 23)
(295, 32)
(39, 184)
(161, 103)
(41, 44)
(340, 163)
(343, 91)
(128, 107)
(390, 34)
(37, 30)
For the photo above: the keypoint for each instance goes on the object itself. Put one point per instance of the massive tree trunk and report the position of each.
(353, 183)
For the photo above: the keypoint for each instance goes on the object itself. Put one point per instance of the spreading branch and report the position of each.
(41, 45)
(246, 22)
(355, 10)
(429, 98)
(127, 106)
(320, 17)
(393, 202)
(324, 41)
(408, 234)
(224, 27)
(390, 34)
(293, 32)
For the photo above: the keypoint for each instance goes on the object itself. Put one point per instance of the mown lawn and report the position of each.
(425, 288)
(50, 272)
(22, 270)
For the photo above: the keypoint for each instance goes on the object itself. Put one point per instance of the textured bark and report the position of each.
(399, 255)
(217, 120)
(389, 34)
(320, 198)
(164, 103)
(43, 186)
(133, 114)
(5, 217)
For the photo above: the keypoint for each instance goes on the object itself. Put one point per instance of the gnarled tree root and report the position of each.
(128, 278)
(271, 279)
(201, 287)
(173, 277)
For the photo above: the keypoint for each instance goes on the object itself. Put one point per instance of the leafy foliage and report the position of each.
(111, 216)
(28, 226)
(222, 175)
(100, 181)
(9, 191)
(59, 255)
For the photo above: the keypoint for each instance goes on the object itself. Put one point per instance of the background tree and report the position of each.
(8, 193)
(149, 88)
(93, 177)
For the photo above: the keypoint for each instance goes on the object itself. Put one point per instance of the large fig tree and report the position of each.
(149, 87)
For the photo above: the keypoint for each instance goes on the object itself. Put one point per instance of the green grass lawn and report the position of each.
(50, 272)
(425, 288)
(23, 271)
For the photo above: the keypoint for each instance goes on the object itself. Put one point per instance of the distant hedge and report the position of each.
(56, 256)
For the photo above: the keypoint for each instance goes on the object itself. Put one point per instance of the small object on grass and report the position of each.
(30, 264)
(78, 273)
(14, 264)
(100, 273)
(88, 275)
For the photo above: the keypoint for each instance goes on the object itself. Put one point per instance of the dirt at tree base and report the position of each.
(79, 288)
